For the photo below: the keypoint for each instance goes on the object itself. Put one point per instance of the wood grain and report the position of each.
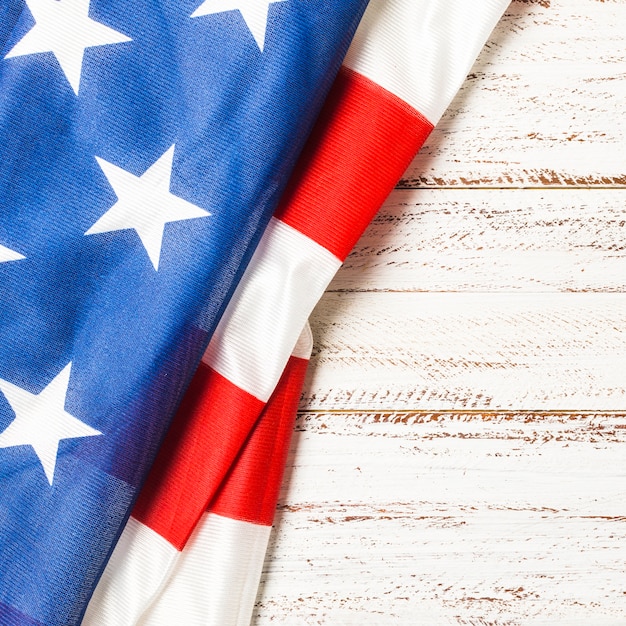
(463, 518)
(543, 105)
(389, 351)
(492, 240)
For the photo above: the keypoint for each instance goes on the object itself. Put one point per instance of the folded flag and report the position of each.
(214, 580)
(405, 64)
(144, 147)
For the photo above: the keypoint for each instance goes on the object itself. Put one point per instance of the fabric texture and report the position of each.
(145, 146)
(215, 579)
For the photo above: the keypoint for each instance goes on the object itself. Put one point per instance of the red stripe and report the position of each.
(250, 491)
(208, 431)
(362, 143)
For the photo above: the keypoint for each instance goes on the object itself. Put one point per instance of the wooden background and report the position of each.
(460, 455)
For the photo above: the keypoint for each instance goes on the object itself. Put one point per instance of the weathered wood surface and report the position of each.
(461, 518)
(433, 240)
(398, 351)
(544, 104)
(460, 456)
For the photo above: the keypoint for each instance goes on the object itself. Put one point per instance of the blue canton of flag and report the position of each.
(144, 147)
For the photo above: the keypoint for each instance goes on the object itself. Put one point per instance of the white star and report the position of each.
(41, 420)
(7, 254)
(254, 12)
(64, 28)
(145, 204)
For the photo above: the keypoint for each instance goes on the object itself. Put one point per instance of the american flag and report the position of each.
(194, 547)
(145, 145)
(193, 550)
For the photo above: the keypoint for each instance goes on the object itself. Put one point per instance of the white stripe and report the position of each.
(216, 577)
(139, 565)
(422, 50)
(304, 345)
(286, 277)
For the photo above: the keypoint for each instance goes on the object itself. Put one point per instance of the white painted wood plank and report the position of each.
(543, 105)
(498, 351)
(451, 519)
(492, 240)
